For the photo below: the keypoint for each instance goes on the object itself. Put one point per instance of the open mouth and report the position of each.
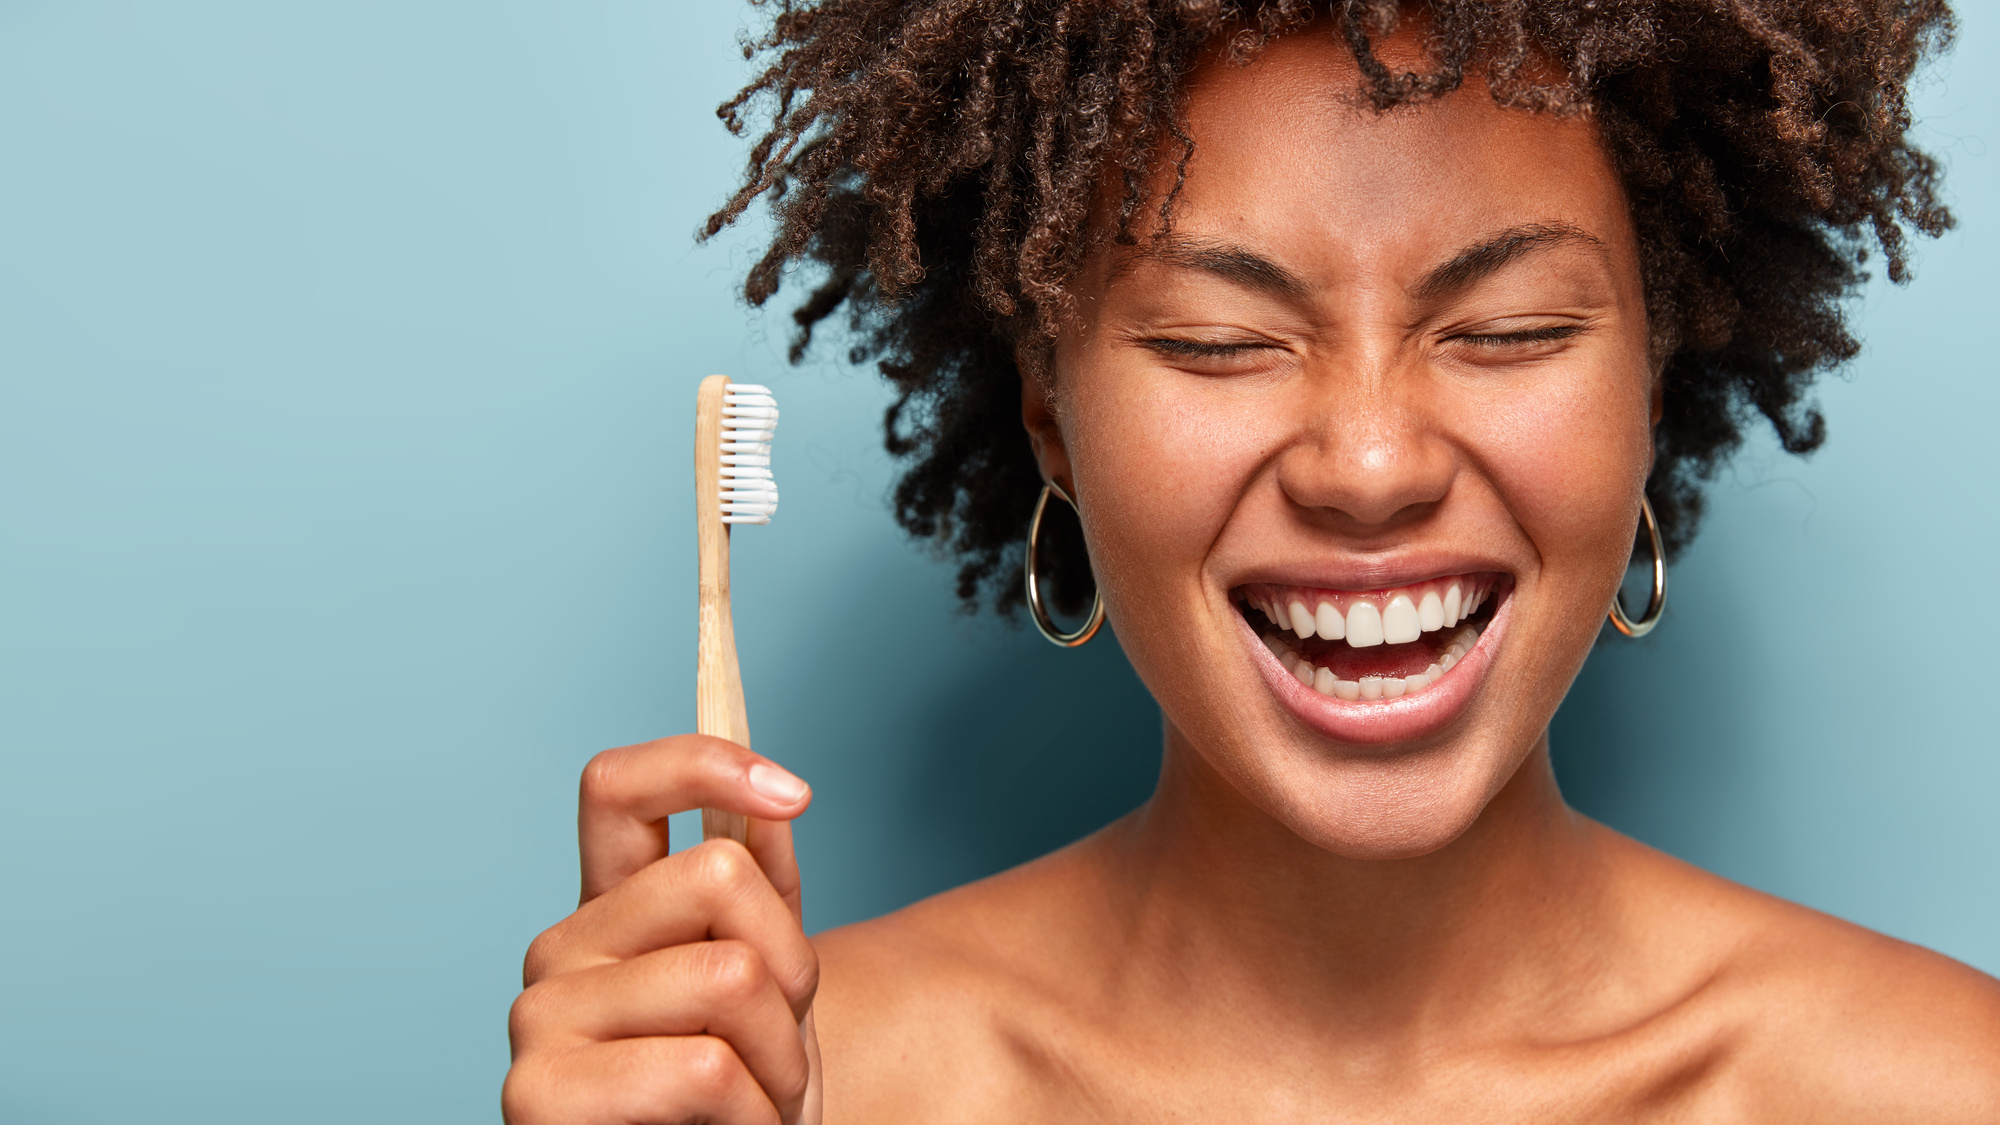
(1373, 645)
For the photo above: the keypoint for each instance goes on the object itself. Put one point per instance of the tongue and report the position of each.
(1389, 661)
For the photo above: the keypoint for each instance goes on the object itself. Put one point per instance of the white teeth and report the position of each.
(1302, 620)
(1331, 624)
(1323, 681)
(1430, 611)
(1404, 619)
(1366, 623)
(1364, 626)
(1399, 621)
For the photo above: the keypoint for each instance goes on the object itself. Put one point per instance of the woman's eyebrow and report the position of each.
(1253, 270)
(1489, 254)
(1231, 263)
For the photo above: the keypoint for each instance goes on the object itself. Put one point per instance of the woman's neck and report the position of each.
(1504, 920)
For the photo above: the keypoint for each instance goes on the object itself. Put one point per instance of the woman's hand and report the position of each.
(681, 989)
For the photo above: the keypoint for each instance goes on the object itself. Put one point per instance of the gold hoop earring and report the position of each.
(1657, 602)
(1035, 608)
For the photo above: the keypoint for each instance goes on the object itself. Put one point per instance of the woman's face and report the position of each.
(1386, 381)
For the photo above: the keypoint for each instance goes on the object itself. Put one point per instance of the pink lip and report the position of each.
(1385, 721)
(1379, 575)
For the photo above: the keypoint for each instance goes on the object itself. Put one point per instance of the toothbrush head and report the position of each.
(749, 416)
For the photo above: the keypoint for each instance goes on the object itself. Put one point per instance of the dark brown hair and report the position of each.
(939, 160)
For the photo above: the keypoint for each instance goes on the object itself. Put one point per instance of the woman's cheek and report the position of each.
(1175, 458)
(1569, 457)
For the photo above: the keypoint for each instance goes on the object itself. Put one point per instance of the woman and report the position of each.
(1367, 342)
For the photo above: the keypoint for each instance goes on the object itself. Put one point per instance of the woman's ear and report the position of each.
(1038, 417)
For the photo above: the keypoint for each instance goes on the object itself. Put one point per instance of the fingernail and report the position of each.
(776, 784)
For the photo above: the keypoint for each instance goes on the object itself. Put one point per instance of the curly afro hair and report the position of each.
(939, 160)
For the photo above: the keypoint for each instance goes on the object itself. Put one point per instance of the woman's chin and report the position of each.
(1383, 778)
(1387, 825)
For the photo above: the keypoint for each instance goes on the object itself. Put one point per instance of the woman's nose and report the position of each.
(1366, 457)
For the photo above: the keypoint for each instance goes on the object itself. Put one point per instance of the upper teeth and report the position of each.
(1386, 617)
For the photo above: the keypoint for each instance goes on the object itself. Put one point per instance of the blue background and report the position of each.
(346, 361)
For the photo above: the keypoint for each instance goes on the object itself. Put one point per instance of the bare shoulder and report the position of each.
(944, 1005)
(1828, 1021)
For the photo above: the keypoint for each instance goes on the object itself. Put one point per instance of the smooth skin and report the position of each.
(1323, 377)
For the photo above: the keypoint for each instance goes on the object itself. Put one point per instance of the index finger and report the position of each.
(628, 793)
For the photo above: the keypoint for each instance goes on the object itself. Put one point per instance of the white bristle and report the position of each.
(749, 418)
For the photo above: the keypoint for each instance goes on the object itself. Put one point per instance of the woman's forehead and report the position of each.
(1289, 162)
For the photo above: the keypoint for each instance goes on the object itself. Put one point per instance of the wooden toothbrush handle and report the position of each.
(718, 684)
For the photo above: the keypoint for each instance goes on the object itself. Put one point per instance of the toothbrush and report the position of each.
(733, 423)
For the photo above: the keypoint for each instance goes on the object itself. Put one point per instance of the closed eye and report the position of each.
(1543, 335)
(1178, 348)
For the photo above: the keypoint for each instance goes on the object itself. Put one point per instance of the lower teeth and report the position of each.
(1323, 680)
